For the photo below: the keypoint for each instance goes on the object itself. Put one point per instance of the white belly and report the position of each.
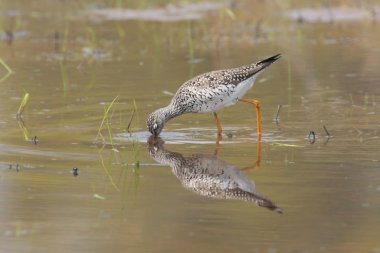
(228, 96)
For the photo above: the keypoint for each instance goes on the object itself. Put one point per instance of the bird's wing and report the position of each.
(231, 76)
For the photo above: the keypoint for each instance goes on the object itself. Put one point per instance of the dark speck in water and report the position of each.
(75, 171)
(311, 137)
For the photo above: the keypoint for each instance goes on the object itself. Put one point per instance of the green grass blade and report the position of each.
(24, 130)
(105, 116)
(7, 68)
(23, 103)
(279, 144)
(2, 62)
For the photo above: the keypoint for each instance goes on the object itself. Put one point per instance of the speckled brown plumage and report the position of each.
(209, 176)
(209, 92)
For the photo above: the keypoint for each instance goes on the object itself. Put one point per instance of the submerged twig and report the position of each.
(278, 113)
(130, 121)
(327, 132)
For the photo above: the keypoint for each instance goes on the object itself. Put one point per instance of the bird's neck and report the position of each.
(170, 112)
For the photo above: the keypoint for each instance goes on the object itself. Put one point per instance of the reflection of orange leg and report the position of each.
(217, 146)
(219, 126)
(258, 157)
(218, 139)
(256, 103)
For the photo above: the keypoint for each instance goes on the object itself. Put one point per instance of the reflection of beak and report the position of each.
(155, 141)
(156, 132)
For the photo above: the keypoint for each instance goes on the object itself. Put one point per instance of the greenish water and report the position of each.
(73, 64)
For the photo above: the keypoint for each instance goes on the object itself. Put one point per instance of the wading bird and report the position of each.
(210, 92)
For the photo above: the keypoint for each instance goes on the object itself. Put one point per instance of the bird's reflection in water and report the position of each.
(209, 176)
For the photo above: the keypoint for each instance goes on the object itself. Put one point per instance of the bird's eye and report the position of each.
(155, 126)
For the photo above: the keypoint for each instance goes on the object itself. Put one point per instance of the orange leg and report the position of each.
(256, 103)
(219, 126)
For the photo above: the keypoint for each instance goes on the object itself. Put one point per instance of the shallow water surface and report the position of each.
(72, 180)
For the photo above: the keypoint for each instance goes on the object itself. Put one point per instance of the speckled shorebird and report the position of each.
(210, 92)
(209, 176)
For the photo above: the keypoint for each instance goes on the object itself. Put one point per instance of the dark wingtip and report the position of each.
(272, 59)
(271, 206)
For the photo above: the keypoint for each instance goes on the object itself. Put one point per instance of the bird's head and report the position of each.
(156, 122)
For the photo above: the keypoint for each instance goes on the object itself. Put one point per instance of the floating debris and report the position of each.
(311, 137)
(75, 171)
(97, 196)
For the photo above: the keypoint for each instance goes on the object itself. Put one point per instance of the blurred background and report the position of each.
(82, 76)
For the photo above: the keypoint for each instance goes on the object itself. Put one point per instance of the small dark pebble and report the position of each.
(229, 135)
(75, 171)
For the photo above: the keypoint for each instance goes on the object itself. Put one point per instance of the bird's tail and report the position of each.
(261, 65)
(269, 60)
